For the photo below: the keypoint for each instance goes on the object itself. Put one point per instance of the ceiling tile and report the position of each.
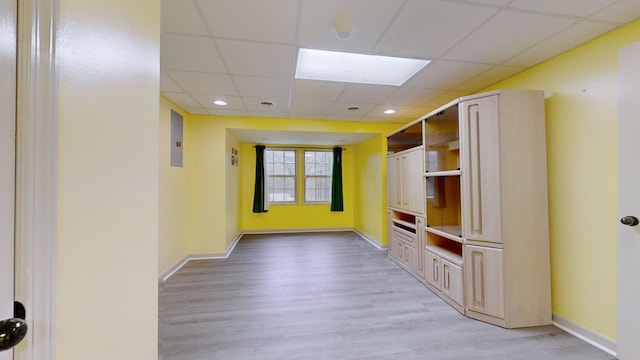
(426, 29)
(582, 8)
(507, 35)
(167, 84)
(257, 59)
(445, 98)
(621, 12)
(245, 50)
(180, 16)
(559, 43)
(498, 3)
(309, 106)
(317, 32)
(227, 112)
(203, 83)
(444, 74)
(262, 86)
(301, 115)
(489, 78)
(257, 20)
(196, 111)
(326, 91)
(407, 96)
(368, 94)
(343, 118)
(184, 100)
(270, 114)
(384, 119)
(191, 53)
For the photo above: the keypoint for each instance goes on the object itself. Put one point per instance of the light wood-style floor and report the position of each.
(329, 296)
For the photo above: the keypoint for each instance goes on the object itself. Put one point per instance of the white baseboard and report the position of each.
(370, 240)
(210, 256)
(600, 341)
(293, 231)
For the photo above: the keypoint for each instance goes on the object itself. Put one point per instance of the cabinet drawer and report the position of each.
(406, 236)
(452, 281)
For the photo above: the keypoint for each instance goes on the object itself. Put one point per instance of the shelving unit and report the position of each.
(478, 236)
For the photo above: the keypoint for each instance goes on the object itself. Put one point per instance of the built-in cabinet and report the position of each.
(404, 182)
(406, 241)
(481, 195)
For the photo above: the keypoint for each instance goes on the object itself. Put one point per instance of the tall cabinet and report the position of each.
(484, 245)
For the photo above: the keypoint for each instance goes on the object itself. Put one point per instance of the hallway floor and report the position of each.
(329, 296)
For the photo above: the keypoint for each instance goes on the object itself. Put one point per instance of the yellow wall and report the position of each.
(296, 216)
(172, 242)
(214, 223)
(581, 107)
(108, 57)
(205, 157)
(371, 190)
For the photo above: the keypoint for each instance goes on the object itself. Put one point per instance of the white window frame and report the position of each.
(305, 176)
(270, 177)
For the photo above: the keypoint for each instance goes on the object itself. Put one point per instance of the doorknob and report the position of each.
(12, 331)
(630, 220)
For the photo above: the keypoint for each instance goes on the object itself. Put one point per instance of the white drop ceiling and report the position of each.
(244, 51)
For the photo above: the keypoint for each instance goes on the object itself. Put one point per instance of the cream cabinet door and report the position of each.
(452, 282)
(481, 169)
(394, 181)
(483, 279)
(432, 270)
(413, 179)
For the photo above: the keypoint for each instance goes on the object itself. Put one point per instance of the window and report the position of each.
(282, 182)
(318, 166)
(280, 166)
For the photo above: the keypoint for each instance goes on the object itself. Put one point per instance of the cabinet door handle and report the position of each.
(435, 270)
(447, 280)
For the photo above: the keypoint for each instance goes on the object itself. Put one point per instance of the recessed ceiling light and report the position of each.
(356, 68)
(220, 102)
(353, 108)
(390, 111)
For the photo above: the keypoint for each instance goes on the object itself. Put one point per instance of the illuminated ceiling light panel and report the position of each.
(356, 68)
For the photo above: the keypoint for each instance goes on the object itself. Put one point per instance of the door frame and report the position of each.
(36, 175)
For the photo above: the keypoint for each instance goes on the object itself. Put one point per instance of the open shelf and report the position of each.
(404, 223)
(445, 247)
(449, 232)
(449, 254)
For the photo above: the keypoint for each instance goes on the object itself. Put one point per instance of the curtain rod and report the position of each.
(299, 147)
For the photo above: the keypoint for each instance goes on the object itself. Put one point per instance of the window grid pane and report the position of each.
(317, 175)
(281, 175)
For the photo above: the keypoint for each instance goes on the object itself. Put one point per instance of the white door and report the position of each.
(7, 157)
(629, 203)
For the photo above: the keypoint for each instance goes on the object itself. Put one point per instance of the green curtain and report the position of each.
(336, 181)
(259, 203)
